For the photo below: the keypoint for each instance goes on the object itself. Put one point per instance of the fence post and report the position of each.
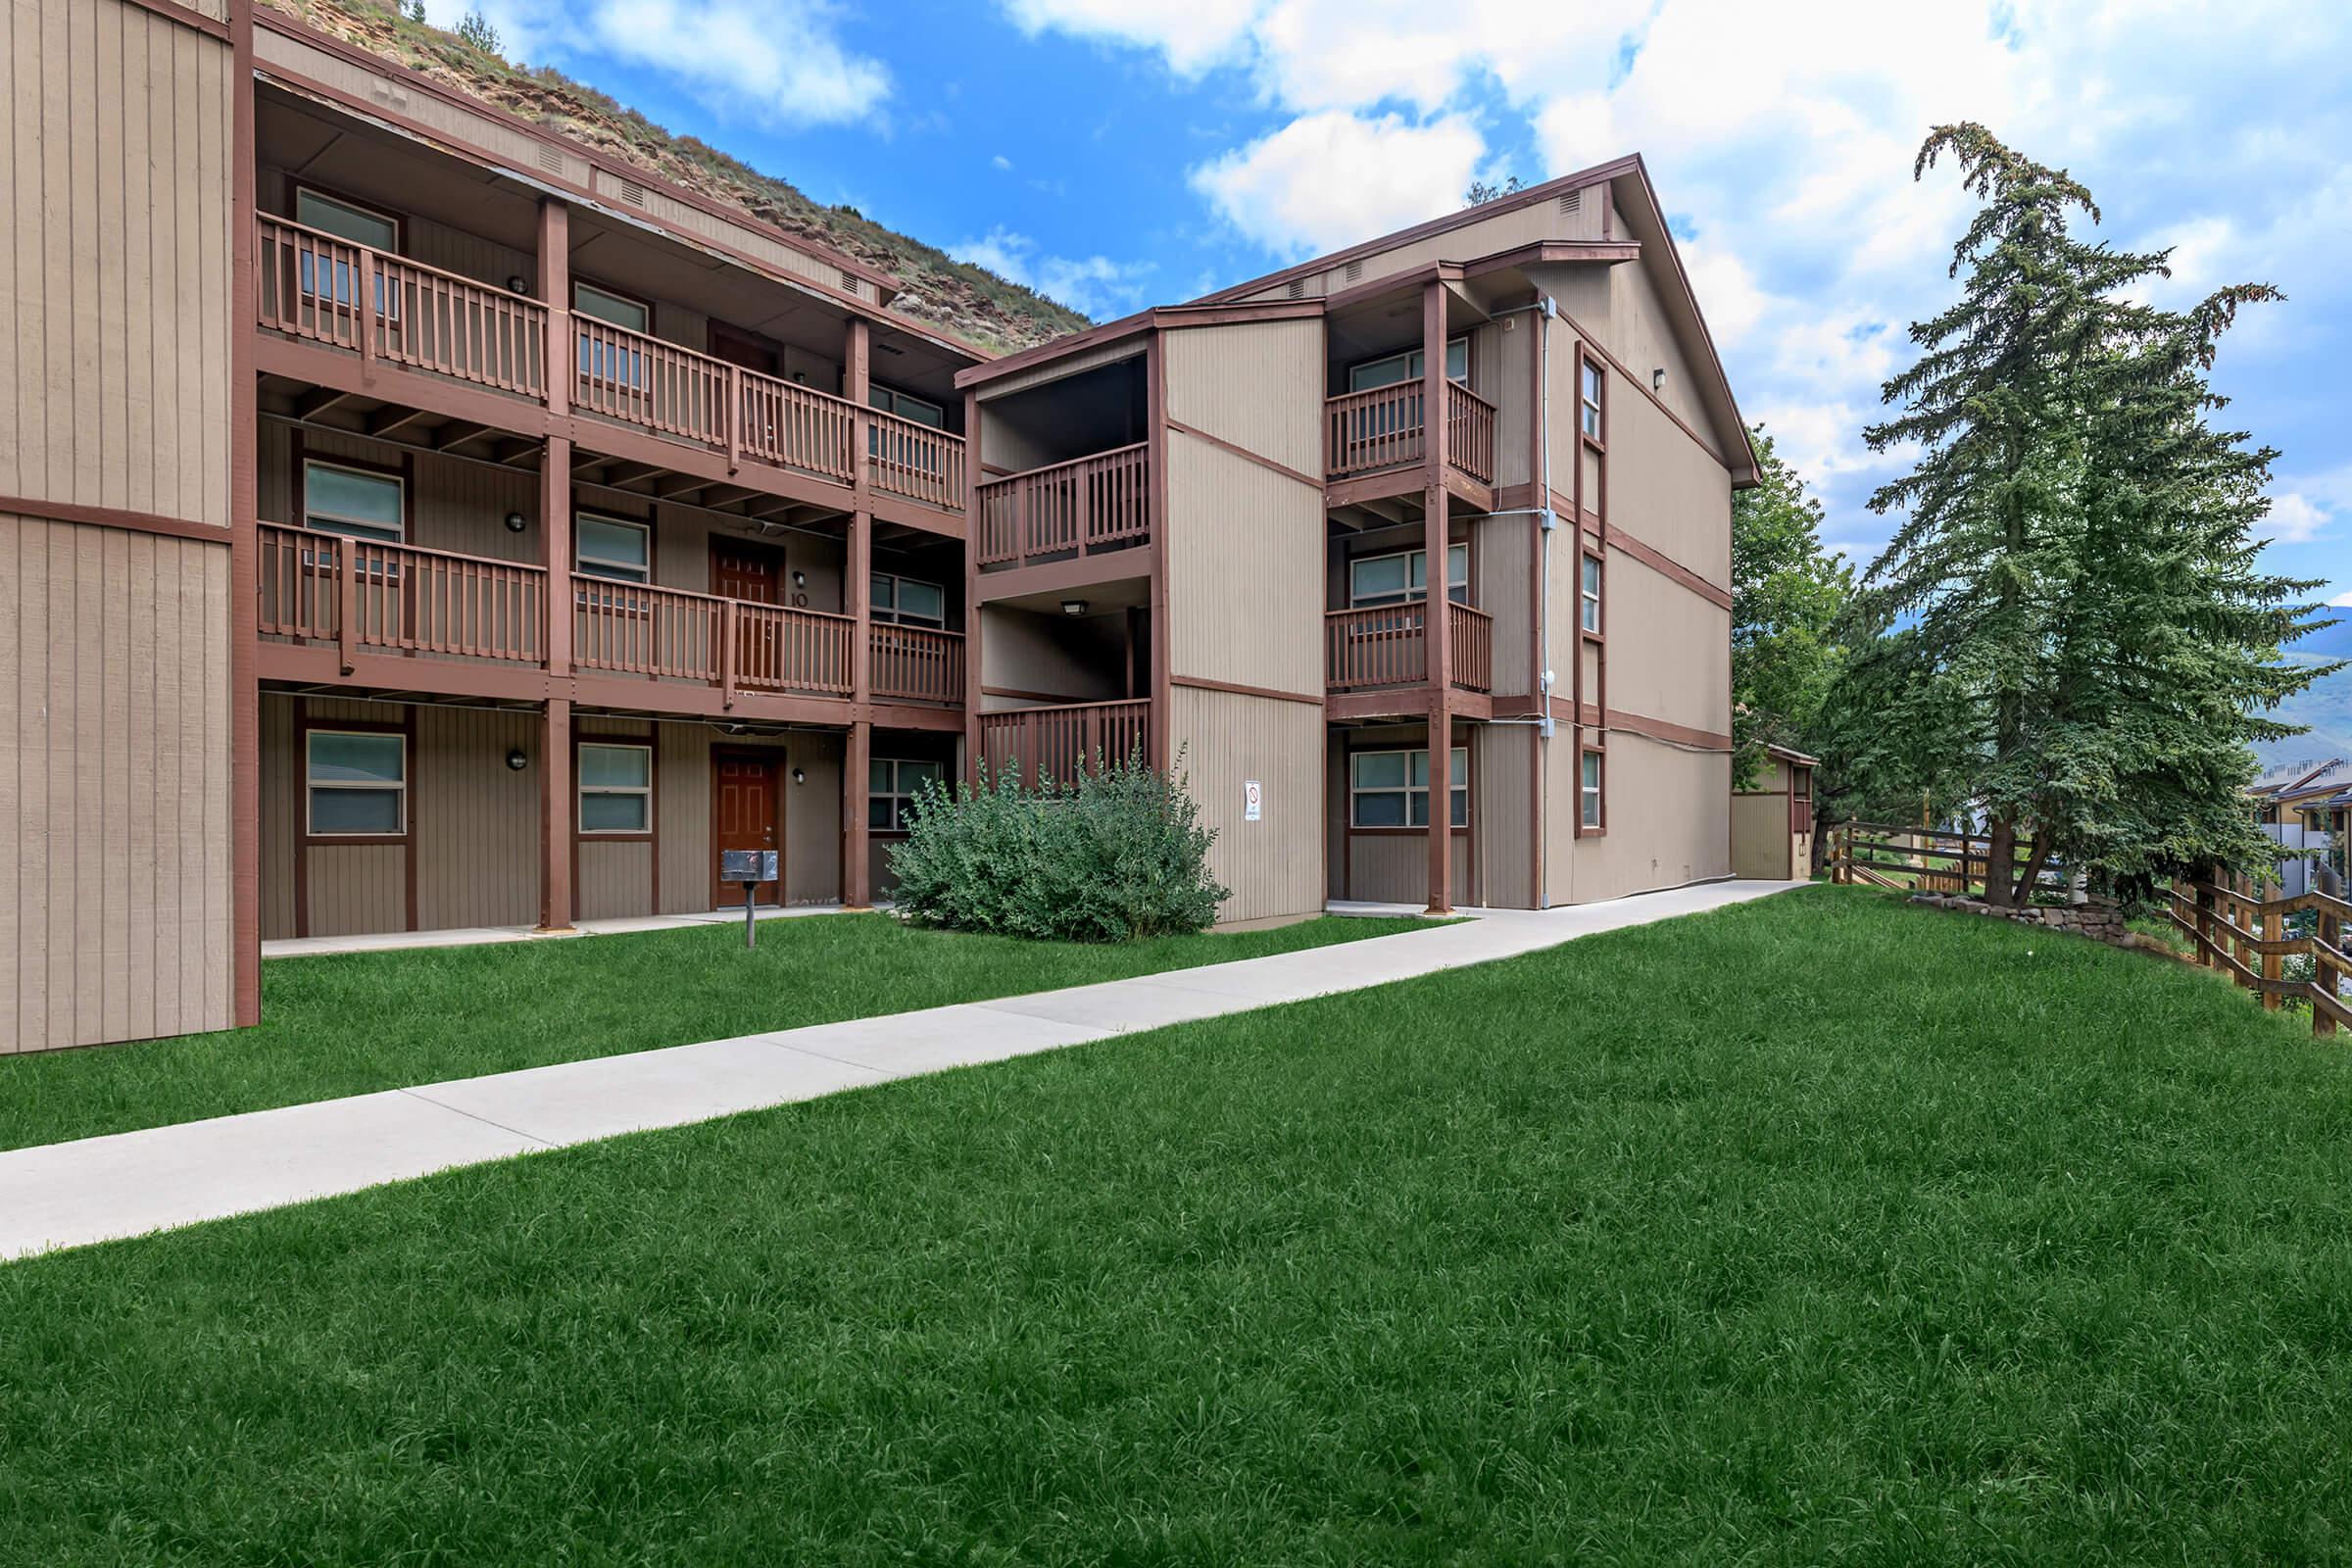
(727, 643)
(2274, 962)
(2327, 976)
(347, 603)
(734, 397)
(363, 312)
(2205, 943)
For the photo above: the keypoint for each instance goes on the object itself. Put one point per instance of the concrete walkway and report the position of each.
(476, 936)
(128, 1184)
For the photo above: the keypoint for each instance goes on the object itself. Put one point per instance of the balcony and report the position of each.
(387, 309)
(1388, 647)
(361, 597)
(1384, 429)
(1086, 507)
(1059, 741)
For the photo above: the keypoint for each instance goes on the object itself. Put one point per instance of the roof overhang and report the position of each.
(1158, 317)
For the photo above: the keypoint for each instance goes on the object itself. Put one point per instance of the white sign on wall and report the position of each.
(1254, 798)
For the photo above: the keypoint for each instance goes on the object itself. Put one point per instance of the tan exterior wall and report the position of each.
(1245, 551)
(811, 812)
(453, 505)
(1273, 867)
(476, 820)
(1505, 558)
(616, 881)
(1502, 791)
(1668, 819)
(1668, 492)
(114, 867)
(1761, 843)
(1620, 305)
(1259, 385)
(1079, 660)
(1669, 649)
(1538, 221)
(116, 151)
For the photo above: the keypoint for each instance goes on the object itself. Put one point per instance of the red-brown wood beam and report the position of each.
(555, 816)
(856, 384)
(1437, 629)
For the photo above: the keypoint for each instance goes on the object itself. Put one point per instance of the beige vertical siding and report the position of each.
(1503, 560)
(1537, 221)
(1273, 867)
(1503, 351)
(688, 849)
(1081, 660)
(1393, 868)
(358, 889)
(1667, 492)
(114, 147)
(475, 819)
(1669, 819)
(1760, 837)
(1503, 774)
(114, 918)
(1669, 649)
(281, 802)
(683, 540)
(616, 879)
(423, 239)
(813, 818)
(1244, 543)
(454, 504)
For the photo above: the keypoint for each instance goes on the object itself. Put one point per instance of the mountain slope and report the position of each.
(964, 300)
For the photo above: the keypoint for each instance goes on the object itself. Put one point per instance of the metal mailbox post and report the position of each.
(751, 867)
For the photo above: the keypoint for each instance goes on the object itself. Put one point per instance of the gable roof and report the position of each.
(1636, 200)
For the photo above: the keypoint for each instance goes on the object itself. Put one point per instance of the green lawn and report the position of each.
(1820, 1229)
(360, 1022)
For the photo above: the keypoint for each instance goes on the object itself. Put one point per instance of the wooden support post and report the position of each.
(973, 451)
(730, 641)
(347, 603)
(555, 551)
(555, 292)
(734, 411)
(1435, 618)
(555, 816)
(858, 387)
(362, 313)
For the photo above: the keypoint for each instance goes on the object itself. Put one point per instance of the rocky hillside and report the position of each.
(968, 302)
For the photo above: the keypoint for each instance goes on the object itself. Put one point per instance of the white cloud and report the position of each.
(1193, 34)
(1094, 284)
(2294, 519)
(776, 62)
(2342, 601)
(1000, 162)
(1328, 180)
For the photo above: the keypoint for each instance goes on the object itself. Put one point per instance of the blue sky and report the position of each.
(1117, 153)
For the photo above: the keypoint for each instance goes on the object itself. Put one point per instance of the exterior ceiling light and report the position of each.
(1073, 607)
(515, 522)
(515, 760)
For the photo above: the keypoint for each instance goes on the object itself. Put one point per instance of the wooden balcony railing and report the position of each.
(916, 461)
(1058, 742)
(1469, 433)
(629, 628)
(314, 285)
(1388, 646)
(1091, 503)
(358, 593)
(916, 664)
(1364, 432)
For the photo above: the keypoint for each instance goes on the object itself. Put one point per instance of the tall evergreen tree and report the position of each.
(1787, 596)
(2067, 632)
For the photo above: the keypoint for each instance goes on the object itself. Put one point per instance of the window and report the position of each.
(617, 789)
(1588, 613)
(1402, 577)
(1390, 789)
(890, 791)
(353, 500)
(612, 547)
(1407, 367)
(347, 221)
(601, 359)
(902, 448)
(907, 405)
(359, 783)
(909, 601)
(1589, 788)
(1591, 400)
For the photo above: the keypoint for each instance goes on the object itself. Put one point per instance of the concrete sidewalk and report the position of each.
(128, 1184)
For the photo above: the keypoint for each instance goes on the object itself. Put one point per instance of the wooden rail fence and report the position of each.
(1387, 645)
(1062, 740)
(916, 664)
(2251, 939)
(361, 593)
(1919, 859)
(1384, 426)
(1086, 505)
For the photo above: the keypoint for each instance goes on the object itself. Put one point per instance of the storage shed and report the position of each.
(1771, 824)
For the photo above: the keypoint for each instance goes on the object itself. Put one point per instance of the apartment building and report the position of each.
(1217, 528)
(416, 520)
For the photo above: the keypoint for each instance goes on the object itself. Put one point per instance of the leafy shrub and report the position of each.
(1113, 855)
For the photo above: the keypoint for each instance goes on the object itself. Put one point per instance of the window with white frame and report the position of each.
(612, 547)
(616, 788)
(892, 785)
(346, 220)
(601, 359)
(1589, 790)
(909, 601)
(357, 501)
(1401, 577)
(1390, 789)
(358, 782)
(1394, 368)
(1591, 399)
(1588, 610)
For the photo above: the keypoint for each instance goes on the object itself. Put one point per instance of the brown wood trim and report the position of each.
(1538, 252)
(1155, 370)
(244, 559)
(1201, 683)
(1247, 456)
(296, 185)
(653, 800)
(191, 18)
(1643, 387)
(115, 517)
(1170, 317)
(1659, 729)
(1019, 694)
(1665, 566)
(1583, 749)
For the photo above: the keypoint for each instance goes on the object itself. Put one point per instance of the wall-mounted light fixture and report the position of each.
(517, 285)
(799, 579)
(798, 778)
(515, 522)
(1073, 607)
(515, 760)
(1657, 379)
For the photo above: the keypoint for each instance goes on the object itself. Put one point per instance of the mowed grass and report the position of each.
(1820, 1229)
(355, 1023)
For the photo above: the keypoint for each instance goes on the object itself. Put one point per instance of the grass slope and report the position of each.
(1816, 1228)
(360, 1022)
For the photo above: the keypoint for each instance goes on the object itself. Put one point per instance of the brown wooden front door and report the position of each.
(737, 348)
(755, 575)
(746, 814)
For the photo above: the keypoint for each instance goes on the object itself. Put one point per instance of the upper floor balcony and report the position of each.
(386, 309)
(365, 601)
(1061, 740)
(1065, 510)
(1387, 647)
(1382, 429)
